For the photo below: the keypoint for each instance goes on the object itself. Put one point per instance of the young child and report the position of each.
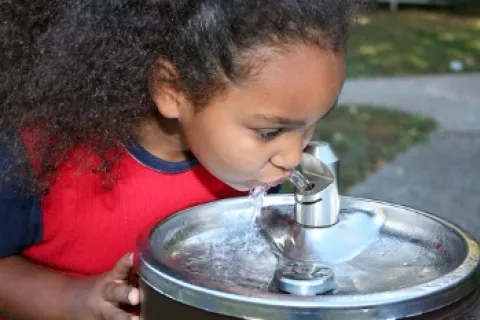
(116, 114)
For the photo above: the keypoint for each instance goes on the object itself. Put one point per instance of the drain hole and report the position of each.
(304, 278)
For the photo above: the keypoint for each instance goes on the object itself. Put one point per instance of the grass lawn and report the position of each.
(365, 138)
(412, 42)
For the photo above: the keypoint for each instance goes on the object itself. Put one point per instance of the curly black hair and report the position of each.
(79, 71)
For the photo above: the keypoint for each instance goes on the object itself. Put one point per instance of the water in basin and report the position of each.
(238, 256)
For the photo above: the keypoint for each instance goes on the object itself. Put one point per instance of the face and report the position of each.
(254, 133)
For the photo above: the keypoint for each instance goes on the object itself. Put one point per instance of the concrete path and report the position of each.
(452, 100)
(442, 175)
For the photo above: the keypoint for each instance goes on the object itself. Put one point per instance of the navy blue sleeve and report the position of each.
(20, 215)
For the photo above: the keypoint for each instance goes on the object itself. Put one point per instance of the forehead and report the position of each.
(300, 83)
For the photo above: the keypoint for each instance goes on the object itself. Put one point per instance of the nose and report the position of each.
(288, 158)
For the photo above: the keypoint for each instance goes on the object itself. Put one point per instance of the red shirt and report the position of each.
(87, 228)
(82, 228)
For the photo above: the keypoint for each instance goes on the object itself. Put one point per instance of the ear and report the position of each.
(165, 90)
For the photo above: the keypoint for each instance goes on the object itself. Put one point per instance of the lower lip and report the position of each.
(266, 185)
(274, 184)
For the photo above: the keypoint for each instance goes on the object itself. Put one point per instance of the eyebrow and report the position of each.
(290, 122)
(281, 121)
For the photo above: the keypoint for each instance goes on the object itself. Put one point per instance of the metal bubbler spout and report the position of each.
(317, 202)
(317, 208)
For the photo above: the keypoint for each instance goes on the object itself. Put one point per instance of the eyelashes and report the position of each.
(266, 135)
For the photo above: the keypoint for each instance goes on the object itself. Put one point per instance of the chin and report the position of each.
(240, 188)
(246, 187)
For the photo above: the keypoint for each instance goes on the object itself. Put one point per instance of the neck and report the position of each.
(162, 138)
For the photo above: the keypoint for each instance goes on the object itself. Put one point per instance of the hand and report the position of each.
(100, 297)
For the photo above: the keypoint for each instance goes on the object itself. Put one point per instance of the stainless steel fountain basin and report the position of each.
(389, 261)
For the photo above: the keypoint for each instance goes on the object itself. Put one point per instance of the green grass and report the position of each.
(366, 138)
(412, 42)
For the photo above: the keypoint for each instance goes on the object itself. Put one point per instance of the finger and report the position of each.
(121, 293)
(112, 313)
(121, 270)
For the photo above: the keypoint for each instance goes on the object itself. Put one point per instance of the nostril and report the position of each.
(287, 159)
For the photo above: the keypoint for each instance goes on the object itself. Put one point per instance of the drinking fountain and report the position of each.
(311, 254)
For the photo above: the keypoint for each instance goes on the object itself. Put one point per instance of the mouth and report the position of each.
(272, 184)
(268, 185)
(264, 185)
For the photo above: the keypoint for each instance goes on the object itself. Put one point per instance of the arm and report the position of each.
(31, 292)
(28, 292)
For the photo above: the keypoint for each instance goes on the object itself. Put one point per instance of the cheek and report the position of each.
(242, 152)
(228, 148)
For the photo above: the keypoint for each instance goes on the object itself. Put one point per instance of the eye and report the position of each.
(268, 134)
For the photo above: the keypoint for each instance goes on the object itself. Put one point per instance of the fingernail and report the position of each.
(134, 297)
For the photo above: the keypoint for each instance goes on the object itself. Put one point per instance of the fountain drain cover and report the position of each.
(304, 278)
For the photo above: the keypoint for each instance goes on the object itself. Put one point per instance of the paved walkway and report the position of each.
(442, 175)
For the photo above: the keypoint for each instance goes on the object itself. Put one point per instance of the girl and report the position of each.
(118, 113)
